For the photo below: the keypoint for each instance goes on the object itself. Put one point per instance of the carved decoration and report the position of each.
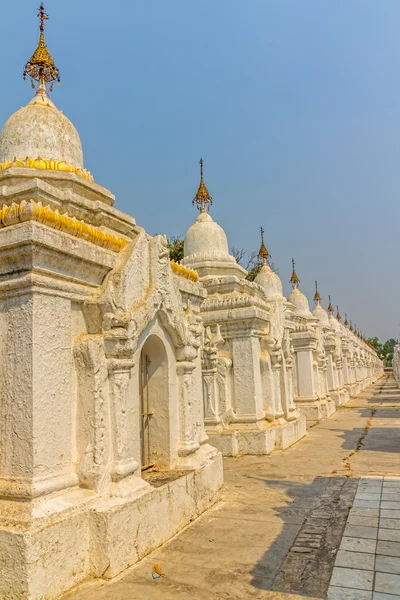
(46, 164)
(34, 211)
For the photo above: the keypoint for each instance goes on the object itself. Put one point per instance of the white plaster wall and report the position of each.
(52, 401)
(16, 381)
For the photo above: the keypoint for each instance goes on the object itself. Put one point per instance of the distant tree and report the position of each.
(376, 344)
(176, 249)
(384, 351)
(388, 349)
(251, 262)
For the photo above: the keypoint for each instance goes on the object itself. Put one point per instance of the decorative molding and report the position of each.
(34, 211)
(46, 164)
(184, 272)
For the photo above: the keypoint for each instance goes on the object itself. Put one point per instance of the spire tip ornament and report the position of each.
(41, 67)
(294, 280)
(263, 254)
(202, 198)
(317, 297)
(338, 315)
(330, 307)
(346, 323)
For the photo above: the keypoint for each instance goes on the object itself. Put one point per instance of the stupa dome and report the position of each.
(40, 130)
(206, 240)
(39, 135)
(321, 314)
(334, 323)
(270, 282)
(300, 302)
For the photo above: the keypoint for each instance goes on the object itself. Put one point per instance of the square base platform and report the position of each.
(258, 438)
(51, 544)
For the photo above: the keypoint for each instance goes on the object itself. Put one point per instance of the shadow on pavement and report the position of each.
(308, 562)
(379, 439)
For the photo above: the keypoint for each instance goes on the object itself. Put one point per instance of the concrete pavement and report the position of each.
(278, 526)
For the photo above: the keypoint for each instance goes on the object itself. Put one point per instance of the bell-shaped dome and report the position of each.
(270, 282)
(334, 323)
(321, 314)
(40, 130)
(300, 302)
(206, 240)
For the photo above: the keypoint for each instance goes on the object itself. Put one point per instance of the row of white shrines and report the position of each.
(124, 377)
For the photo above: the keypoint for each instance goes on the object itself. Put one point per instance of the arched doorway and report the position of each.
(154, 404)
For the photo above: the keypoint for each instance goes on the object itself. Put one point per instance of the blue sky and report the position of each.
(293, 104)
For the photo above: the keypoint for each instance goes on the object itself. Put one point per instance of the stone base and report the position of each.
(51, 544)
(340, 396)
(257, 438)
(316, 409)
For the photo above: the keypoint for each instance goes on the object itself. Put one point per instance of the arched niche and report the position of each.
(154, 412)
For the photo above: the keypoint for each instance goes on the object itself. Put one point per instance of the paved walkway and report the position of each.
(369, 554)
(277, 529)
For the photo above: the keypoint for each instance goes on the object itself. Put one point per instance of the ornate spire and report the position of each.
(294, 280)
(351, 326)
(41, 67)
(317, 297)
(263, 254)
(346, 323)
(330, 307)
(202, 198)
(338, 315)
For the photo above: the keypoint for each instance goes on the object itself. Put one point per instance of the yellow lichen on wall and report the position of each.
(34, 211)
(184, 272)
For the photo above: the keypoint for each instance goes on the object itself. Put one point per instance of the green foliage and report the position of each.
(176, 249)
(384, 351)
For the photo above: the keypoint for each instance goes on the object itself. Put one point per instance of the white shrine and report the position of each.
(124, 376)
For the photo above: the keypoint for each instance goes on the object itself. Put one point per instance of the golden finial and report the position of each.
(202, 198)
(263, 254)
(330, 307)
(338, 315)
(41, 67)
(317, 297)
(294, 280)
(351, 327)
(346, 323)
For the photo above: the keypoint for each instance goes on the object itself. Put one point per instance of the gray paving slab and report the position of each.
(338, 593)
(371, 504)
(387, 564)
(390, 514)
(391, 495)
(368, 496)
(355, 560)
(388, 548)
(366, 521)
(390, 535)
(389, 523)
(387, 583)
(358, 579)
(354, 544)
(387, 504)
(365, 512)
(361, 531)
